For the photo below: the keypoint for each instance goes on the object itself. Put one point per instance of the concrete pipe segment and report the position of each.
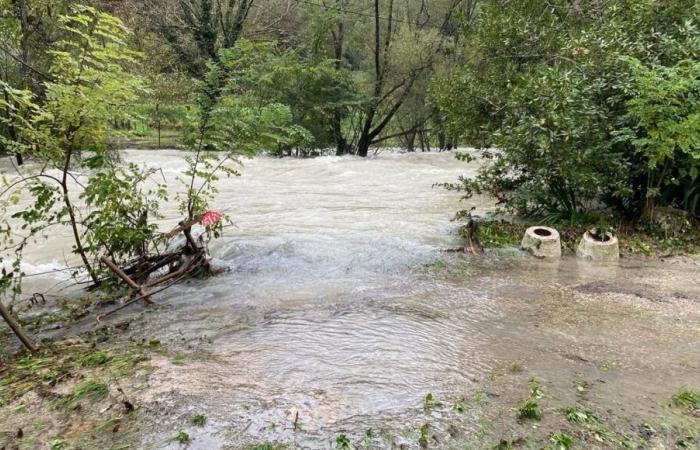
(592, 248)
(542, 242)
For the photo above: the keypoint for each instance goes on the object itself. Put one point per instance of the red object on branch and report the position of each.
(210, 218)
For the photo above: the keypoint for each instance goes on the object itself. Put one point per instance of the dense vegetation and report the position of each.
(584, 107)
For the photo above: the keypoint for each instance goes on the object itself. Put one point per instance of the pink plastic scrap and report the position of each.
(210, 218)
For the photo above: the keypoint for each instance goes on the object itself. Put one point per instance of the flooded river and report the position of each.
(338, 314)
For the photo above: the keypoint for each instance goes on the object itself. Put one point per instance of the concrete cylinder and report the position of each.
(607, 250)
(542, 242)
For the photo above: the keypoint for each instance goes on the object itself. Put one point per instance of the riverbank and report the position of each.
(565, 351)
(655, 240)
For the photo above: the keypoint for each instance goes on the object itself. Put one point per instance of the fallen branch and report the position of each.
(113, 267)
(99, 317)
(15, 327)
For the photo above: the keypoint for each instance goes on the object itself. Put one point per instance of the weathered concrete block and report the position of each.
(606, 250)
(542, 242)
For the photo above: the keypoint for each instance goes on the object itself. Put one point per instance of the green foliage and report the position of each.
(529, 410)
(589, 108)
(576, 414)
(665, 116)
(343, 443)
(499, 233)
(121, 209)
(423, 438)
(94, 359)
(561, 441)
(430, 403)
(182, 437)
(200, 420)
(687, 399)
(535, 389)
(317, 93)
(90, 89)
(230, 122)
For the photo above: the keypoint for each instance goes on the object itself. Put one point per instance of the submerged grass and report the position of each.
(59, 363)
(94, 359)
(92, 390)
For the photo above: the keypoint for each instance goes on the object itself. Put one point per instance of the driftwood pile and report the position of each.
(150, 274)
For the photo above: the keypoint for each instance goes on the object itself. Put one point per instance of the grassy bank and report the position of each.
(650, 239)
(72, 394)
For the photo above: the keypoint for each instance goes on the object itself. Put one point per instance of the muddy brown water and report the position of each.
(339, 313)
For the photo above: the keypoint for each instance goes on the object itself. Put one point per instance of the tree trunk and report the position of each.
(341, 144)
(14, 326)
(10, 126)
(410, 141)
(442, 140)
(73, 221)
(25, 34)
(424, 141)
(363, 144)
(366, 137)
(158, 122)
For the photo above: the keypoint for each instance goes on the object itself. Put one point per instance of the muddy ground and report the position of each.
(600, 352)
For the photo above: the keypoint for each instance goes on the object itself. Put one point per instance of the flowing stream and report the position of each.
(339, 313)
